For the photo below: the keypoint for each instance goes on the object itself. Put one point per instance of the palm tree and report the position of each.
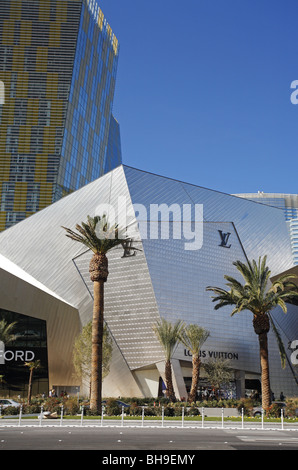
(82, 353)
(218, 373)
(32, 366)
(260, 298)
(193, 337)
(100, 238)
(168, 336)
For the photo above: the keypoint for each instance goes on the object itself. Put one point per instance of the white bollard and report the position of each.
(202, 417)
(222, 417)
(102, 412)
(262, 418)
(61, 417)
(20, 415)
(122, 417)
(41, 416)
(143, 414)
(182, 416)
(242, 417)
(282, 418)
(82, 416)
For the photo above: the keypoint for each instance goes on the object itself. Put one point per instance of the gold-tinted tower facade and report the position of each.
(58, 62)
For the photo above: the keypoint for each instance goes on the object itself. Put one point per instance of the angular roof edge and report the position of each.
(12, 268)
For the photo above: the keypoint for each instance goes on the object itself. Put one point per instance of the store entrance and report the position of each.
(253, 388)
(206, 391)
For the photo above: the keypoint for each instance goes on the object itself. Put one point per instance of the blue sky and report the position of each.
(203, 90)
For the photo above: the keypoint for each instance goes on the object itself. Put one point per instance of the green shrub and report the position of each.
(177, 408)
(31, 409)
(247, 404)
(152, 411)
(71, 406)
(112, 407)
(135, 409)
(291, 410)
(169, 411)
(193, 411)
(274, 411)
(88, 412)
(10, 410)
(53, 405)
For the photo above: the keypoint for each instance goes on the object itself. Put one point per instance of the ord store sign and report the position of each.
(18, 355)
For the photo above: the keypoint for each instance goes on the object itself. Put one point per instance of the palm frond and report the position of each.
(193, 337)
(168, 335)
(6, 331)
(256, 294)
(98, 235)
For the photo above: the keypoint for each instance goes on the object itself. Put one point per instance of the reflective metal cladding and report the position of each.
(163, 279)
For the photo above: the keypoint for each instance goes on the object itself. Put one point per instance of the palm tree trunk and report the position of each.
(196, 363)
(169, 382)
(97, 340)
(265, 380)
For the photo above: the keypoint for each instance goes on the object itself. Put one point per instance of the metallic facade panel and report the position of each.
(179, 280)
(74, 208)
(179, 277)
(262, 229)
(164, 279)
(130, 306)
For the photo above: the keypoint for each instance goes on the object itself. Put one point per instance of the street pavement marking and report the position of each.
(264, 438)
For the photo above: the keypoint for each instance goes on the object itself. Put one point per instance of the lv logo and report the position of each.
(224, 239)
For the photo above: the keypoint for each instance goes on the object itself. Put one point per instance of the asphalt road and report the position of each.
(118, 440)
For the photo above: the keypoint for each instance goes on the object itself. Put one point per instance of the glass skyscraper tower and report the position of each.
(58, 63)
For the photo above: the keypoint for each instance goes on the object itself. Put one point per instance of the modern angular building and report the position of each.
(188, 237)
(289, 204)
(58, 63)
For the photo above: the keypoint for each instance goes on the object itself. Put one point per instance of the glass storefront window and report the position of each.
(28, 344)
